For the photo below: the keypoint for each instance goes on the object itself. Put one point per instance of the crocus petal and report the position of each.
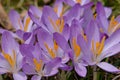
(36, 77)
(85, 2)
(19, 76)
(7, 46)
(15, 20)
(61, 41)
(108, 67)
(52, 65)
(65, 67)
(44, 37)
(111, 51)
(27, 25)
(80, 69)
(108, 11)
(86, 51)
(74, 13)
(19, 61)
(112, 40)
(48, 14)
(69, 2)
(66, 32)
(102, 16)
(3, 63)
(28, 69)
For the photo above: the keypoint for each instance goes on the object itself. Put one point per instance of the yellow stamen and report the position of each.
(62, 25)
(76, 48)
(79, 1)
(38, 65)
(27, 24)
(56, 9)
(53, 23)
(97, 50)
(101, 46)
(114, 25)
(58, 22)
(95, 15)
(9, 58)
(52, 54)
(55, 46)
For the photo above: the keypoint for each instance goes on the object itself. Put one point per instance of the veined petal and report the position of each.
(44, 37)
(7, 46)
(80, 69)
(19, 76)
(102, 17)
(61, 41)
(112, 40)
(108, 67)
(36, 77)
(15, 20)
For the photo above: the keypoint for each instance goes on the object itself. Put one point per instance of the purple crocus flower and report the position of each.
(75, 52)
(35, 63)
(97, 48)
(106, 26)
(17, 22)
(51, 48)
(11, 59)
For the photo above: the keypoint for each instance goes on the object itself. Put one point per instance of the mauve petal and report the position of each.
(108, 11)
(28, 69)
(15, 19)
(19, 76)
(85, 2)
(111, 51)
(36, 77)
(59, 5)
(3, 63)
(80, 69)
(20, 33)
(61, 41)
(69, 2)
(87, 16)
(87, 54)
(26, 50)
(48, 14)
(108, 67)
(65, 67)
(44, 37)
(74, 13)
(8, 43)
(35, 11)
(26, 35)
(112, 40)
(29, 25)
(75, 29)
(102, 16)
(66, 32)
(52, 73)
(19, 61)
(52, 65)
(3, 71)
(118, 18)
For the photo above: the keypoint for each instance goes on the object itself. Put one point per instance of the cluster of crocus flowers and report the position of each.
(50, 38)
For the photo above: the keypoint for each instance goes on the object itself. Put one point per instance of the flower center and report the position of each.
(38, 65)
(11, 60)
(76, 47)
(52, 51)
(27, 23)
(113, 25)
(98, 46)
(58, 25)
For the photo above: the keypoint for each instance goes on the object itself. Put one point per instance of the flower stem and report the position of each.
(95, 72)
